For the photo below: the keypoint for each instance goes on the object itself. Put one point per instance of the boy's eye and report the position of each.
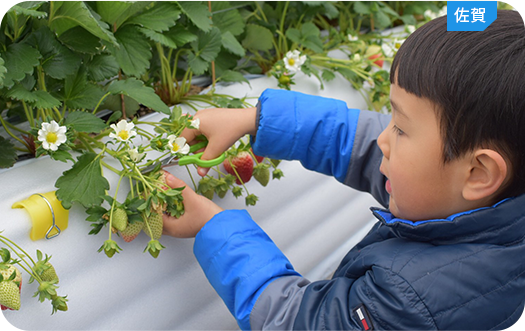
(397, 130)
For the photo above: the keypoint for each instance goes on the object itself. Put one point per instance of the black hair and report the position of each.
(477, 82)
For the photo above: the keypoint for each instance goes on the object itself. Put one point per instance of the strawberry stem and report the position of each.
(114, 201)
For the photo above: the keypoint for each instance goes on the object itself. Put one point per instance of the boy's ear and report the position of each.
(488, 171)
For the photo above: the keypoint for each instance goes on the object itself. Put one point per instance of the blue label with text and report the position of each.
(470, 15)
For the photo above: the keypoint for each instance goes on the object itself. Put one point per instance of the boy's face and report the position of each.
(420, 185)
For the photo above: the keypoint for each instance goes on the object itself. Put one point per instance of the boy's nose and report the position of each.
(383, 143)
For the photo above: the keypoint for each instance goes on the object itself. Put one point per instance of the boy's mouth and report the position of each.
(388, 188)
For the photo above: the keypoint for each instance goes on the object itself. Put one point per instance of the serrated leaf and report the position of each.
(198, 13)
(208, 45)
(114, 102)
(78, 93)
(136, 90)
(102, 67)
(227, 19)
(80, 40)
(68, 14)
(294, 35)
(158, 37)
(180, 35)
(361, 8)
(20, 93)
(57, 60)
(232, 44)
(28, 8)
(133, 53)
(20, 60)
(8, 155)
(197, 65)
(45, 100)
(82, 121)
(258, 38)
(117, 12)
(159, 18)
(232, 76)
(83, 183)
(314, 43)
(328, 75)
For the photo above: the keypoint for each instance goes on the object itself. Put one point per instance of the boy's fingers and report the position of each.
(173, 181)
(190, 134)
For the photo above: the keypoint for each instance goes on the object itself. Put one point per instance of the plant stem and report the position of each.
(114, 201)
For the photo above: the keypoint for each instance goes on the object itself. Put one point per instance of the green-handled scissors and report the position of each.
(189, 159)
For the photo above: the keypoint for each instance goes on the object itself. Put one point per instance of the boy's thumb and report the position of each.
(173, 181)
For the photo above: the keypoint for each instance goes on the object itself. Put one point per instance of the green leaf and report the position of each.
(117, 12)
(158, 37)
(328, 75)
(78, 93)
(57, 60)
(114, 102)
(232, 44)
(198, 13)
(8, 155)
(227, 19)
(134, 51)
(159, 18)
(11, 7)
(232, 76)
(83, 183)
(45, 100)
(180, 35)
(61, 155)
(136, 90)
(207, 45)
(80, 40)
(20, 93)
(28, 8)
(257, 38)
(20, 60)
(362, 8)
(382, 20)
(69, 14)
(82, 121)
(294, 35)
(102, 67)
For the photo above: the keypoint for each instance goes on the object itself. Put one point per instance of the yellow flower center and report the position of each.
(175, 147)
(291, 62)
(51, 137)
(124, 135)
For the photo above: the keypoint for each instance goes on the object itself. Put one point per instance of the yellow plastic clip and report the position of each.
(48, 216)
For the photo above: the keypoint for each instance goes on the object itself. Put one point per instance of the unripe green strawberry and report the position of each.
(49, 274)
(154, 223)
(120, 219)
(6, 273)
(10, 295)
(132, 231)
(261, 173)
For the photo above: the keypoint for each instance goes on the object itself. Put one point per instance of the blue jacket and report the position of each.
(463, 272)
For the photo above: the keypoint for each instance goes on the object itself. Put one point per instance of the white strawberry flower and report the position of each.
(52, 135)
(195, 124)
(352, 37)
(178, 145)
(123, 131)
(135, 156)
(410, 28)
(294, 60)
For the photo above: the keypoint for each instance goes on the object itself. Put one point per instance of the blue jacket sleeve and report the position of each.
(325, 136)
(239, 260)
(317, 131)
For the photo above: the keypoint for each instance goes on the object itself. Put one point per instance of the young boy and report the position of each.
(449, 164)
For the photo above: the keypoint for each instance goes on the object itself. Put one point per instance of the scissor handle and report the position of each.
(197, 146)
(196, 159)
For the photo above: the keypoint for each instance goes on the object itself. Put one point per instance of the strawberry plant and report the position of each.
(40, 270)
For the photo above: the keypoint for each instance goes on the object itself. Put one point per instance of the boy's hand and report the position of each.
(223, 127)
(197, 211)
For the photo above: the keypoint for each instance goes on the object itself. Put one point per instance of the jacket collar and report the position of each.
(500, 224)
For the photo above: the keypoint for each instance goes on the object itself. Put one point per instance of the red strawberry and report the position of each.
(243, 164)
(257, 157)
(378, 63)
